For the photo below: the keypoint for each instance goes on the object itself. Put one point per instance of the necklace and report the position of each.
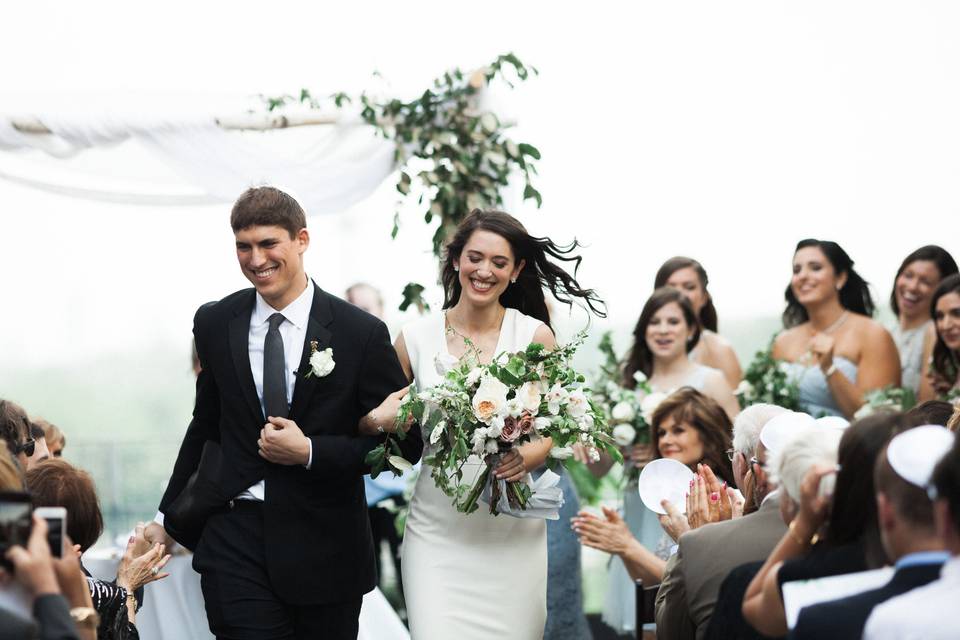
(836, 323)
(469, 342)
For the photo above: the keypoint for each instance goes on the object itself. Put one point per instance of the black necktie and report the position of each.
(274, 370)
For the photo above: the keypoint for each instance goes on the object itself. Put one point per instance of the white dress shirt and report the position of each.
(293, 330)
(925, 613)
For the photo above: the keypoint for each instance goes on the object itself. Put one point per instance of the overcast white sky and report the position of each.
(725, 131)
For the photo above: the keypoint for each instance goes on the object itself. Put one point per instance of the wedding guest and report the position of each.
(693, 575)
(367, 297)
(690, 428)
(55, 586)
(918, 276)
(52, 435)
(905, 518)
(690, 278)
(944, 374)
(926, 612)
(954, 422)
(25, 443)
(746, 437)
(829, 534)
(666, 333)
(56, 483)
(932, 412)
(837, 353)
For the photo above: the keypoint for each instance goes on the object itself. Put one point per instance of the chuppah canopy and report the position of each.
(328, 168)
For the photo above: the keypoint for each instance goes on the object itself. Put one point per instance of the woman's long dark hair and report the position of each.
(640, 358)
(945, 361)
(539, 272)
(939, 256)
(704, 414)
(853, 513)
(708, 313)
(854, 296)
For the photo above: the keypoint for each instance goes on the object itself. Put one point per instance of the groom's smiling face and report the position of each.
(273, 262)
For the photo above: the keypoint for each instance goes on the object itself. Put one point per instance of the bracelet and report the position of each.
(830, 371)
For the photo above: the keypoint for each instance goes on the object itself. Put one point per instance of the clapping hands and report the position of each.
(709, 500)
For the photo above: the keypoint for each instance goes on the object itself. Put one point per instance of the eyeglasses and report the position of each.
(27, 447)
(730, 454)
(753, 461)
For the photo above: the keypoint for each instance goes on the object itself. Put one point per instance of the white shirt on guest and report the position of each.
(924, 613)
(293, 330)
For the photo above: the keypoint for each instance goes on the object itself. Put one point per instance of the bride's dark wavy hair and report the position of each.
(538, 273)
(854, 296)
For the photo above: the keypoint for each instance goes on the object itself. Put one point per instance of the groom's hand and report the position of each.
(282, 442)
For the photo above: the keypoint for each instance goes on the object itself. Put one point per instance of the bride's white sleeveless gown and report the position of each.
(477, 576)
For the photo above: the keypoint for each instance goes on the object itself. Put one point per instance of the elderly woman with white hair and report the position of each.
(833, 525)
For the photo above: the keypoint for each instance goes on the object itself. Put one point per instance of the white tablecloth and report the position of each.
(173, 609)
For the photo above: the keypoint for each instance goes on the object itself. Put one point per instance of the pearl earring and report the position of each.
(456, 267)
(513, 281)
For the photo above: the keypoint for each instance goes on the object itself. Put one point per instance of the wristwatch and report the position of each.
(85, 617)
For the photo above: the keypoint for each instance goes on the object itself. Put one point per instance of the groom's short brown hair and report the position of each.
(267, 206)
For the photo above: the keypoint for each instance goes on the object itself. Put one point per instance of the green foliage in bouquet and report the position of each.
(768, 380)
(889, 398)
(485, 410)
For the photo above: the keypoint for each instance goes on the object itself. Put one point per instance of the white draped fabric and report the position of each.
(327, 168)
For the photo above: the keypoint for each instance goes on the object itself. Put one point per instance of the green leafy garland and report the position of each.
(464, 158)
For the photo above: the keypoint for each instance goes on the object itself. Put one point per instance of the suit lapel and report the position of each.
(239, 329)
(317, 330)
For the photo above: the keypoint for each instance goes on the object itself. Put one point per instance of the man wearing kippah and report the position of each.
(929, 611)
(905, 519)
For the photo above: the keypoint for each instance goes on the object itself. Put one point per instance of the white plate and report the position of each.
(664, 479)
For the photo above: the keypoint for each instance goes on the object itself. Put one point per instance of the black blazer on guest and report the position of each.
(846, 618)
(316, 529)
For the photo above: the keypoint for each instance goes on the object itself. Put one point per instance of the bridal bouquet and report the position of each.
(628, 411)
(487, 410)
(768, 380)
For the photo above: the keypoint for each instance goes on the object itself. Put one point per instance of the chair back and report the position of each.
(646, 602)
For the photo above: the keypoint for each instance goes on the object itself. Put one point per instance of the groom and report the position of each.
(287, 552)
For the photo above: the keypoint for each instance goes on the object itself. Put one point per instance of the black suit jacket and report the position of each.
(846, 618)
(316, 529)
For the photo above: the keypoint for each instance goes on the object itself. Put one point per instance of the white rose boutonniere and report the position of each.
(321, 362)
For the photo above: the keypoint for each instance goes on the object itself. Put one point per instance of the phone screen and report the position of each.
(15, 523)
(56, 518)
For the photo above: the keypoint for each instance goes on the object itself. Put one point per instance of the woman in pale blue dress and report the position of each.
(835, 351)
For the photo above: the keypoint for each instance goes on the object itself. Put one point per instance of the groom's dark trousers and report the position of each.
(297, 564)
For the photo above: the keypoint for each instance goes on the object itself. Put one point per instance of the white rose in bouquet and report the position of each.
(496, 426)
(640, 377)
(444, 362)
(577, 404)
(529, 397)
(561, 453)
(556, 396)
(624, 434)
(650, 403)
(514, 407)
(744, 388)
(490, 399)
(585, 422)
(474, 376)
(541, 423)
(623, 412)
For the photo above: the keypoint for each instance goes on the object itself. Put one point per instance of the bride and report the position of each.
(481, 576)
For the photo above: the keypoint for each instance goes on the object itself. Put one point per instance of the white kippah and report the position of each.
(833, 422)
(914, 453)
(781, 428)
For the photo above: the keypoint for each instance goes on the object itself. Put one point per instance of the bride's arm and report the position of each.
(383, 418)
